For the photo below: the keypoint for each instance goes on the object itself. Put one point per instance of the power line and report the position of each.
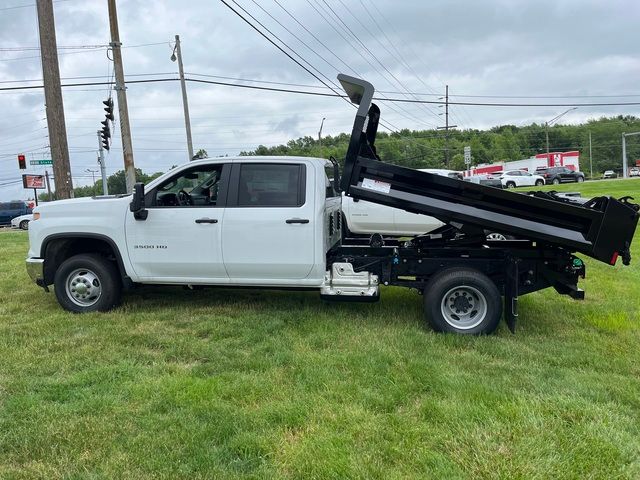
(395, 109)
(324, 14)
(306, 85)
(324, 94)
(28, 5)
(400, 83)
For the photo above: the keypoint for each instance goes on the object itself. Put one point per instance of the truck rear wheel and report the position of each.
(88, 283)
(462, 300)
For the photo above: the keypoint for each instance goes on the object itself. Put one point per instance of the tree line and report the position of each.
(427, 148)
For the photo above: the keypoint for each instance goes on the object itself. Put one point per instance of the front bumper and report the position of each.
(35, 269)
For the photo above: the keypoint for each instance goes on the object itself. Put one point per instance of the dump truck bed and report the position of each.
(601, 228)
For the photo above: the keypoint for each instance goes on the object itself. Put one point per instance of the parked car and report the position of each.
(609, 174)
(11, 210)
(520, 178)
(634, 172)
(557, 175)
(22, 222)
(486, 180)
(363, 218)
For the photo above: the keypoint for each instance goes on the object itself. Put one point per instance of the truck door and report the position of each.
(269, 222)
(181, 238)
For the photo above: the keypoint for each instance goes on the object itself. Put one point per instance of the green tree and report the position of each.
(200, 154)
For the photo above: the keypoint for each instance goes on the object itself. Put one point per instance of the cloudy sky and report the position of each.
(555, 51)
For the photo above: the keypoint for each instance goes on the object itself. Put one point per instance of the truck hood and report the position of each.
(82, 204)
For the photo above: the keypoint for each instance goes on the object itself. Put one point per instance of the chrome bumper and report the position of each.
(35, 269)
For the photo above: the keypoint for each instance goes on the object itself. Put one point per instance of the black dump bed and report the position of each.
(601, 228)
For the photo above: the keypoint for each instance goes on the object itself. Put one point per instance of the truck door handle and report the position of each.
(206, 220)
(297, 220)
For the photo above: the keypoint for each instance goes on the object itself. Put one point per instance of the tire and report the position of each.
(88, 283)
(556, 181)
(511, 185)
(580, 179)
(24, 225)
(479, 298)
(539, 183)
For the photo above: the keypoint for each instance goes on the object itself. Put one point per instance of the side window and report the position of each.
(17, 206)
(271, 185)
(329, 182)
(195, 187)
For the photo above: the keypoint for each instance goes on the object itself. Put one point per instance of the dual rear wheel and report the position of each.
(464, 301)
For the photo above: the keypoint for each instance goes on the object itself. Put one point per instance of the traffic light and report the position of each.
(105, 133)
(22, 162)
(109, 108)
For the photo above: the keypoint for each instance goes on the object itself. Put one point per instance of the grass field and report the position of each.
(258, 384)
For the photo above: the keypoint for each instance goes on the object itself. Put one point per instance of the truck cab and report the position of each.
(261, 221)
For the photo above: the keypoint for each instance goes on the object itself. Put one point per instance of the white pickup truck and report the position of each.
(276, 222)
(236, 221)
(366, 218)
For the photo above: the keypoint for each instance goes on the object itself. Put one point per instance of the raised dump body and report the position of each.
(601, 228)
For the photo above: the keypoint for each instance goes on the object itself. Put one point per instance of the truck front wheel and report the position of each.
(462, 300)
(88, 283)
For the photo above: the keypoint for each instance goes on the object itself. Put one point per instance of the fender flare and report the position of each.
(94, 236)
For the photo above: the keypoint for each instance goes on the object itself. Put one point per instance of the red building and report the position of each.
(570, 160)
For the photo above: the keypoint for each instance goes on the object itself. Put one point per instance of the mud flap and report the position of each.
(511, 294)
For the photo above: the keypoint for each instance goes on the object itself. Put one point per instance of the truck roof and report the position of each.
(259, 158)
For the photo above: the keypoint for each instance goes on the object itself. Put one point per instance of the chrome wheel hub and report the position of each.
(83, 287)
(464, 307)
(496, 236)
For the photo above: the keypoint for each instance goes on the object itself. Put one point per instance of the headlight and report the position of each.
(36, 216)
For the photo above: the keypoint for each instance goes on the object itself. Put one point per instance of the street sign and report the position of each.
(467, 155)
(41, 162)
(33, 181)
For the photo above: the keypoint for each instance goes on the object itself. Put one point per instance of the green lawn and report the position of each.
(240, 383)
(616, 188)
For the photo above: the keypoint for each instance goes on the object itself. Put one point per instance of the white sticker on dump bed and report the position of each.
(376, 185)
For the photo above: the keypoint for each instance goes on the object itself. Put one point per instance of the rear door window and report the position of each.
(271, 185)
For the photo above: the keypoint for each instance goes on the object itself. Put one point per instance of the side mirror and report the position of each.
(137, 203)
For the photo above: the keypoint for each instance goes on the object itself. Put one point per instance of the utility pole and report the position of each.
(121, 90)
(103, 168)
(177, 54)
(320, 131)
(53, 100)
(93, 179)
(546, 128)
(590, 157)
(46, 176)
(625, 167)
(446, 127)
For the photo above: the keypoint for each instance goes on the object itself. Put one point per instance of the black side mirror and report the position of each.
(137, 204)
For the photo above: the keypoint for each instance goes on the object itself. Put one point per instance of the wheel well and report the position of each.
(57, 250)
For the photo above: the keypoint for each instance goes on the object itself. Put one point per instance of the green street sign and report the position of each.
(41, 162)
